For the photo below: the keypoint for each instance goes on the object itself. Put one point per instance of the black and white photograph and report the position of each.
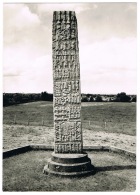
(69, 85)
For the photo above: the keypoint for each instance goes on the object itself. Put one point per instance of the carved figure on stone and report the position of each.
(66, 83)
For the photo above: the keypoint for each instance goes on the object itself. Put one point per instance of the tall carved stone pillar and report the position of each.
(68, 157)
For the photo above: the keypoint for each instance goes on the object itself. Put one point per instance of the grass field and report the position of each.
(109, 117)
(111, 124)
(24, 172)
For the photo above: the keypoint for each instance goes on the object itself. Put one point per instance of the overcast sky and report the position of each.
(107, 46)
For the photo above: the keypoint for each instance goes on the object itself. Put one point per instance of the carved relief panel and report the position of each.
(66, 76)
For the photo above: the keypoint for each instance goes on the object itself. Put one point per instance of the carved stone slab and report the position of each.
(66, 77)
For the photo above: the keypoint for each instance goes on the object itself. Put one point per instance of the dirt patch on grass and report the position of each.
(123, 141)
(87, 104)
(20, 135)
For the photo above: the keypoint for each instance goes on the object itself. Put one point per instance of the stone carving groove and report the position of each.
(68, 158)
(66, 76)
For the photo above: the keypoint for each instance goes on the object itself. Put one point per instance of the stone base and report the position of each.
(69, 165)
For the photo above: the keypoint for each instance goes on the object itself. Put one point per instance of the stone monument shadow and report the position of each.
(114, 168)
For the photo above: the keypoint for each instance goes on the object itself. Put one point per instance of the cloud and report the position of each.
(21, 16)
(18, 20)
(22, 28)
(111, 54)
(96, 21)
(111, 65)
(77, 7)
(108, 20)
(25, 43)
(31, 75)
(107, 43)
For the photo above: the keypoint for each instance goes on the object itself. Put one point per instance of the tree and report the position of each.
(46, 96)
(98, 98)
(122, 97)
(5, 100)
(134, 99)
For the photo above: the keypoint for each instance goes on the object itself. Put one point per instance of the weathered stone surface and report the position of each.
(66, 76)
(68, 158)
(69, 165)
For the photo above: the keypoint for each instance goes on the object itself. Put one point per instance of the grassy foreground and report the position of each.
(24, 172)
(102, 123)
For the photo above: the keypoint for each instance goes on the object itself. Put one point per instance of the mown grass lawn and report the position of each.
(24, 172)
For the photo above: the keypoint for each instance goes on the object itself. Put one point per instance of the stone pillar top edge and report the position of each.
(64, 15)
(64, 11)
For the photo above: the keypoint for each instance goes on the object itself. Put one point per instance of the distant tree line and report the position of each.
(120, 97)
(19, 98)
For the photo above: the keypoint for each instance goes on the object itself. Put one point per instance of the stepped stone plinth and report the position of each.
(69, 165)
(68, 158)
